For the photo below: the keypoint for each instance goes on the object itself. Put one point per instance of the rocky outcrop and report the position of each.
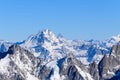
(93, 70)
(73, 69)
(110, 63)
(21, 64)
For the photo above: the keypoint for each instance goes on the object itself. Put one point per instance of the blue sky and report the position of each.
(74, 19)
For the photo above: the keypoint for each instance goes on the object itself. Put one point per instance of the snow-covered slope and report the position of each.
(47, 45)
(45, 56)
(20, 64)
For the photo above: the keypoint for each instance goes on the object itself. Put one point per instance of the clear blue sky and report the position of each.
(74, 19)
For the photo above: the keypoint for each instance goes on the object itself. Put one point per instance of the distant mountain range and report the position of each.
(45, 56)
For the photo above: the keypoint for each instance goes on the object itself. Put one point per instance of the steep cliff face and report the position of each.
(72, 69)
(49, 46)
(109, 66)
(20, 64)
(93, 70)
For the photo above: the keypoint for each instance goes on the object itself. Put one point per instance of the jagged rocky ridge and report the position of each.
(109, 66)
(20, 64)
(44, 56)
(49, 46)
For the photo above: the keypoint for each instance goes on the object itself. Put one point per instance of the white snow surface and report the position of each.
(85, 75)
(31, 77)
(4, 64)
(50, 47)
(53, 65)
(58, 47)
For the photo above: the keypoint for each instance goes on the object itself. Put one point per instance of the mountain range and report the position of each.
(45, 56)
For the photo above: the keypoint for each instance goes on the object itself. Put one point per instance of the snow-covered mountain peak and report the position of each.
(48, 32)
(45, 56)
(49, 35)
(42, 36)
(116, 38)
(113, 39)
(45, 33)
(47, 45)
(44, 43)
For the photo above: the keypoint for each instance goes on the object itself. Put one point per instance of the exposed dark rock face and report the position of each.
(21, 62)
(19, 56)
(73, 73)
(69, 68)
(28, 60)
(110, 63)
(93, 70)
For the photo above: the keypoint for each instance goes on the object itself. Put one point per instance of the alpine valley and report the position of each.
(45, 56)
